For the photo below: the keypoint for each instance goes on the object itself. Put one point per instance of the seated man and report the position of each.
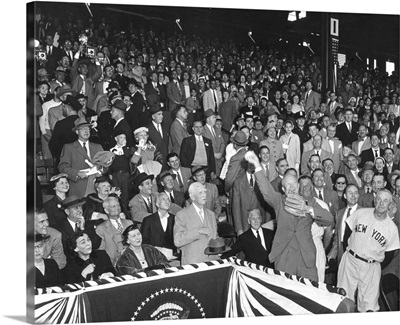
(157, 228)
(166, 179)
(255, 243)
(53, 246)
(110, 231)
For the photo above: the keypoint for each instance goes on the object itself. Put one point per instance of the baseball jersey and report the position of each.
(371, 237)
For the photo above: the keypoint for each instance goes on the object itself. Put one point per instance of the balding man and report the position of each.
(293, 250)
(317, 149)
(194, 227)
(371, 245)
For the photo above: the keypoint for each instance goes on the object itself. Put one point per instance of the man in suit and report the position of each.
(372, 153)
(53, 53)
(75, 221)
(311, 98)
(255, 243)
(347, 131)
(53, 246)
(119, 68)
(281, 167)
(154, 93)
(197, 150)
(351, 195)
(82, 81)
(143, 203)
(158, 133)
(194, 227)
(183, 174)
(335, 145)
(247, 196)
(118, 112)
(323, 154)
(293, 250)
(178, 130)
(366, 174)
(392, 144)
(363, 142)
(313, 130)
(215, 135)
(166, 185)
(332, 105)
(269, 167)
(175, 92)
(351, 171)
(367, 200)
(135, 113)
(212, 97)
(213, 202)
(101, 87)
(389, 156)
(158, 228)
(110, 231)
(73, 160)
(62, 133)
(320, 191)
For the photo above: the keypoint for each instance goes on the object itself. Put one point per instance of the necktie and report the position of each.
(180, 181)
(258, 236)
(213, 132)
(149, 205)
(179, 88)
(349, 127)
(376, 153)
(201, 213)
(76, 227)
(159, 130)
(320, 195)
(215, 100)
(368, 190)
(171, 197)
(251, 181)
(348, 213)
(306, 95)
(120, 228)
(86, 149)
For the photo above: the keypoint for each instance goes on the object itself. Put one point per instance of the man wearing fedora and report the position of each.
(63, 133)
(118, 111)
(74, 156)
(56, 112)
(59, 79)
(194, 227)
(198, 150)
(234, 168)
(110, 231)
(75, 221)
(158, 132)
(215, 135)
(143, 203)
(255, 242)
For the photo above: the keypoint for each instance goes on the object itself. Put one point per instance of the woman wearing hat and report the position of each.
(86, 264)
(54, 209)
(47, 272)
(146, 158)
(138, 257)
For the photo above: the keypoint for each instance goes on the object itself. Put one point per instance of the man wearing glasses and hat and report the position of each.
(75, 158)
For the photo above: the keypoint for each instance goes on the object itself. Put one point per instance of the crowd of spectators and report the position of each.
(142, 125)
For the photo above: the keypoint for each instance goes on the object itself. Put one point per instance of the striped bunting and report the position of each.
(252, 293)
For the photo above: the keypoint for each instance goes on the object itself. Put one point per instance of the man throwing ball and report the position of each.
(371, 245)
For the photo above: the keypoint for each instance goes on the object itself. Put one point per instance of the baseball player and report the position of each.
(373, 240)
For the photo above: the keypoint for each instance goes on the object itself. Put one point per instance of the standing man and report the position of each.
(269, 167)
(293, 250)
(194, 227)
(372, 242)
(74, 156)
(183, 174)
(374, 152)
(178, 130)
(215, 135)
(347, 131)
(335, 145)
(212, 97)
(158, 132)
(118, 111)
(175, 93)
(311, 98)
(197, 150)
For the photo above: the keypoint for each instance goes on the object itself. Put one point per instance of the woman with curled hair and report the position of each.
(138, 257)
(86, 264)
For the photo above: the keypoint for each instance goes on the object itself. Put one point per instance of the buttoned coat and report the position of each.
(138, 207)
(208, 99)
(154, 234)
(72, 160)
(188, 151)
(188, 238)
(174, 94)
(177, 133)
(218, 145)
(161, 143)
(111, 238)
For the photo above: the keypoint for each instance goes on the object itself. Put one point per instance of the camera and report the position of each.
(42, 55)
(91, 52)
